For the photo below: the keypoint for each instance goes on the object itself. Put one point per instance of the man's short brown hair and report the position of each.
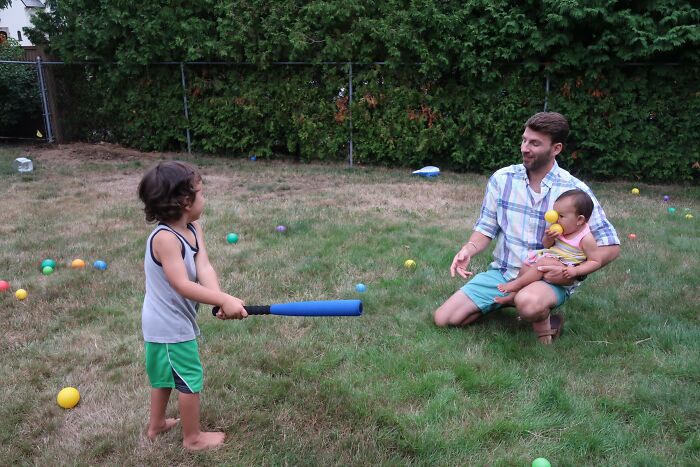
(552, 124)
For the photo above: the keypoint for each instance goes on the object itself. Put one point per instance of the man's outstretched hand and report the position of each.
(460, 263)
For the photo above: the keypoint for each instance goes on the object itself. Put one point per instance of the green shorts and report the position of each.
(175, 366)
(482, 290)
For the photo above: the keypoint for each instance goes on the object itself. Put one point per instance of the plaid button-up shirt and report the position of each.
(513, 214)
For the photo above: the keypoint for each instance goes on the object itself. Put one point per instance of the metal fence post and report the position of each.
(350, 108)
(44, 100)
(187, 113)
(546, 92)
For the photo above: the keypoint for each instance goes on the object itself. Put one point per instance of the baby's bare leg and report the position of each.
(526, 275)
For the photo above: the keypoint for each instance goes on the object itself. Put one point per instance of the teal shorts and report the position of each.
(482, 290)
(175, 366)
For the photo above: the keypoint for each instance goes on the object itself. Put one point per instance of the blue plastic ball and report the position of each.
(361, 288)
(99, 264)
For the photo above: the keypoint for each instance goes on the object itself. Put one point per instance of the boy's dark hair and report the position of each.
(167, 188)
(582, 202)
(552, 124)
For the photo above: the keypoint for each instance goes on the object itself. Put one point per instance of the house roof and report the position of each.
(33, 4)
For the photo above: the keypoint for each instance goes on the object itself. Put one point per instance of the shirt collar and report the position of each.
(548, 179)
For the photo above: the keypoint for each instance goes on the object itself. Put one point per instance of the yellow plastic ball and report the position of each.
(635, 191)
(68, 398)
(688, 216)
(551, 216)
(409, 264)
(21, 294)
(77, 264)
(556, 228)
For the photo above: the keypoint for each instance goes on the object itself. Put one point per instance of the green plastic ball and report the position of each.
(47, 270)
(232, 238)
(541, 462)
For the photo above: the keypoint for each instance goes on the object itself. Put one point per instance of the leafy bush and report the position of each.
(20, 102)
(458, 79)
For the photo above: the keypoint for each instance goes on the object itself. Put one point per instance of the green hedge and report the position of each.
(20, 101)
(459, 80)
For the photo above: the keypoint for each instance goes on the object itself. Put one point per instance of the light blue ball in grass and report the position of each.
(48, 262)
(99, 264)
(361, 288)
(541, 462)
(232, 238)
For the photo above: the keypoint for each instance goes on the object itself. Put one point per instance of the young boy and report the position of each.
(575, 247)
(179, 276)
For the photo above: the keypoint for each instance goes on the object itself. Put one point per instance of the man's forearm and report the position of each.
(608, 253)
(477, 243)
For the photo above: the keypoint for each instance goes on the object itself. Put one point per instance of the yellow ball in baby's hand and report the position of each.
(409, 264)
(551, 216)
(68, 398)
(556, 228)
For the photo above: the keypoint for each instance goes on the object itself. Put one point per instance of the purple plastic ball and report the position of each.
(666, 198)
(281, 228)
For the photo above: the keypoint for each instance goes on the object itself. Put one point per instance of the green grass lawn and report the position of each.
(621, 386)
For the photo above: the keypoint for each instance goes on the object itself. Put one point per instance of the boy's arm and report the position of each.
(168, 250)
(594, 259)
(206, 275)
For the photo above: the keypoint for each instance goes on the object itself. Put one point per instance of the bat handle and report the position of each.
(251, 309)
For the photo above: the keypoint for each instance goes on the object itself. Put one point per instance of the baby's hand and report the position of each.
(232, 308)
(569, 272)
(551, 235)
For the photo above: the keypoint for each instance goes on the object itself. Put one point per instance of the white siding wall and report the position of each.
(15, 18)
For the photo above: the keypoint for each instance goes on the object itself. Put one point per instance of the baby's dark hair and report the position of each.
(582, 202)
(167, 188)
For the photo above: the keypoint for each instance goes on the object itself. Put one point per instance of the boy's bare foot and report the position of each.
(166, 426)
(507, 300)
(205, 440)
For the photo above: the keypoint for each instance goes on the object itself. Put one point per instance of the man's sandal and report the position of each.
(556, 323)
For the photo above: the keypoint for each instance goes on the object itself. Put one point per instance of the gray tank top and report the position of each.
(168, 317)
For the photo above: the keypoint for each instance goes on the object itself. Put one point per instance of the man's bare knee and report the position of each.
(456, 311)
(531, 306)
